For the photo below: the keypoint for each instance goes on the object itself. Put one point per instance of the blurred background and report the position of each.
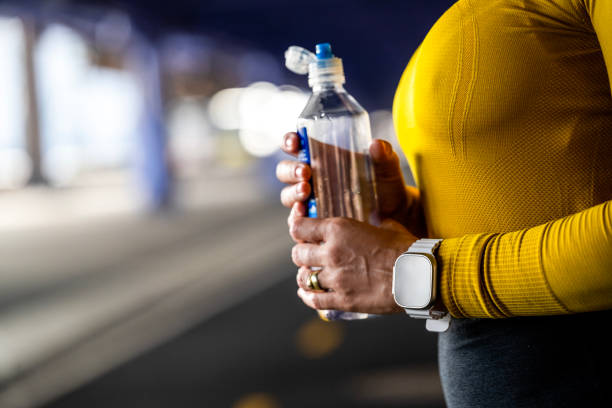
(144, 254)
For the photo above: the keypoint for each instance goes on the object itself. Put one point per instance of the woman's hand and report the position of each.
(356, 260)
(395, 199)
(294, 173)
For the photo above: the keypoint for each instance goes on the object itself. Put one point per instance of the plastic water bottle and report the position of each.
(334, 133)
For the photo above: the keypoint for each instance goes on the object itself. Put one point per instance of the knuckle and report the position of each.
(298, 222)
(336, 225)
(340, 280)
(299, 279)
(332, 226)
(333, 282)
(335, 255)
(295, 224)
(293, 228)
(316, 302)
(295, 254)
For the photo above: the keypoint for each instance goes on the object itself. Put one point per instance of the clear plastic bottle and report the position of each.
(335, 136)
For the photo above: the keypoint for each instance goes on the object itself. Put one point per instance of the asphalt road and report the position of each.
(270, 351)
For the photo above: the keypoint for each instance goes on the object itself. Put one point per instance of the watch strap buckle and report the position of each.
(437, 320)
(438, 325)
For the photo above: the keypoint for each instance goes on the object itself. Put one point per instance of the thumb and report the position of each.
(389, 178)
(386, 161)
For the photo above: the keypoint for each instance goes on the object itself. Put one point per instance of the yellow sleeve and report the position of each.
(564, 266)
(600, 14)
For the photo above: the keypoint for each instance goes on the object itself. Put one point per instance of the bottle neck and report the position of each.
(328, 86)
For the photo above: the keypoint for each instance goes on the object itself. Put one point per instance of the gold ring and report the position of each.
(309, 282)
(313, 281)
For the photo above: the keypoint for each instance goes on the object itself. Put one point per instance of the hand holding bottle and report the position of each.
(356, 262)
(395, 200)
(337, 178)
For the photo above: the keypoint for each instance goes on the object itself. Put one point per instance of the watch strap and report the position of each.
(425, 245)
(437, 320)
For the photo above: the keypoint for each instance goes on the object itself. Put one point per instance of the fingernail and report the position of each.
(299, 172)
(302, 191)
(387, 148)
(289, 142)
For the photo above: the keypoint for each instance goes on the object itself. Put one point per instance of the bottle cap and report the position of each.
(321, 68)
(323, 51)
(297, 59)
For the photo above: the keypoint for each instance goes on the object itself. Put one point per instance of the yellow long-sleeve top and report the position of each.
(505, 115)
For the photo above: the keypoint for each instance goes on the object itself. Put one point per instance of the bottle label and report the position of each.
(304, 152)
(304, 157)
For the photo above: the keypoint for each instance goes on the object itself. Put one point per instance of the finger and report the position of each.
(306, 254)
(303, 276)
(290, 171)
(389, 178)
(308, 229)
(291, 143)
(386, 161)
(320, 300)
(297, 210)
(295, 193)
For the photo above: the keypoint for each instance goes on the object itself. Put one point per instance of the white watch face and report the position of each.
(413, 281)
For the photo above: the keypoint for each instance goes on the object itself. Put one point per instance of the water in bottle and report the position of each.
(334, 133)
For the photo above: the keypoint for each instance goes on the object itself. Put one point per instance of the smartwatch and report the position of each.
(415, 285)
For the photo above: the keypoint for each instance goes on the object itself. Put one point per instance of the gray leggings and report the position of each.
(556, 361)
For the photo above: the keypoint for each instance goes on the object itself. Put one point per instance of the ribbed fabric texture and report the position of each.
(505, 115)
